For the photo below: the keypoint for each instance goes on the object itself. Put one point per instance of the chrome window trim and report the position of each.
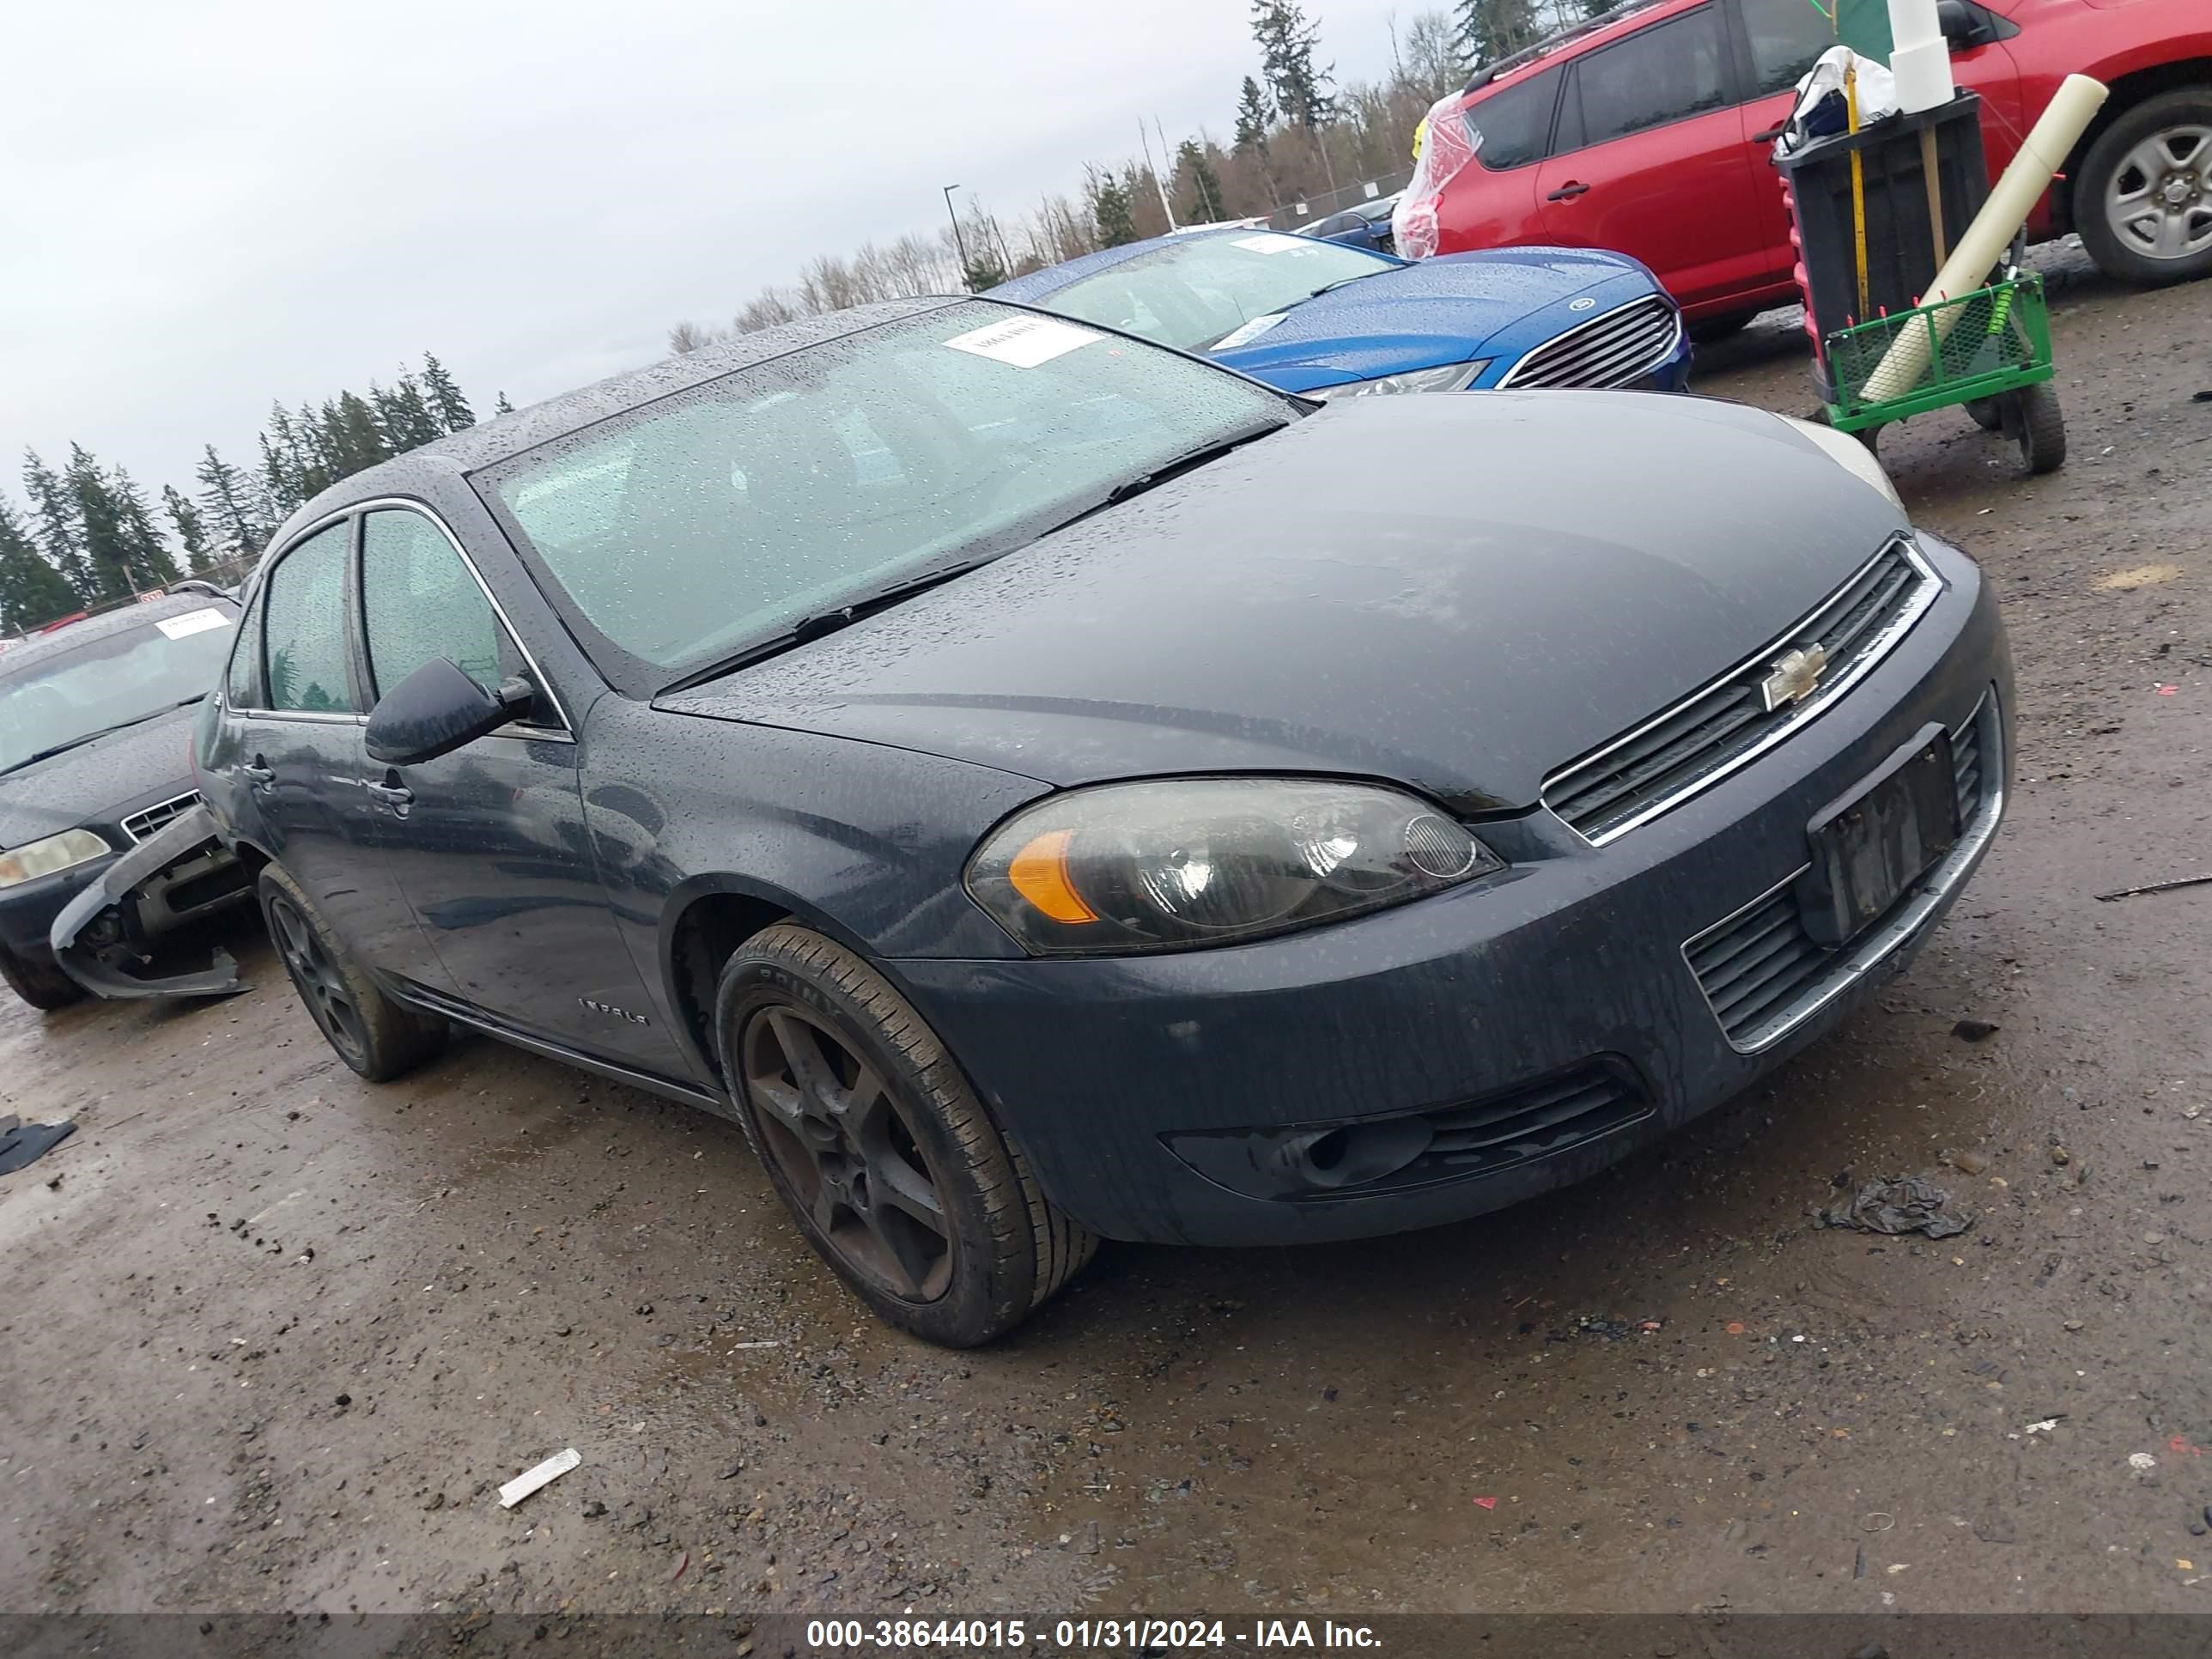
(1931, 585)
(1674, 339)
(1884, 941)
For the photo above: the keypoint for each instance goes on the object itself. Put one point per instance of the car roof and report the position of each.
(42, 648)
(1029, 289)
(476, 447)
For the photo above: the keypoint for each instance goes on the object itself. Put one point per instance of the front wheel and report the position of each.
(879, 1147)
(368, 1031)
(2142, 198)
(41, 984)
(2041, 428)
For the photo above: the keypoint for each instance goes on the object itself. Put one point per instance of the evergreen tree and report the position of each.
(1253, 117)
(230, 504)
(356, 440)
(121, 545)
(191, 529)
(503, 407)
(148, 548)
(1196, 171)
(32, 592)
(447, 403)
(404, 416)
(1111, 212)
(60, 533)
(1286, 42)
(1495, 29)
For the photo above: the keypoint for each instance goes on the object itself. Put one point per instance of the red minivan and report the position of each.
(1649, 133)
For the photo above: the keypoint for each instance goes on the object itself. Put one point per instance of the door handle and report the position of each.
(397, 796)
(1770, 135)
(1573, 188)
(259, 774)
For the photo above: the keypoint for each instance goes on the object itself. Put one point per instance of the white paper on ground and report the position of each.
(1023, 342)
(192, 621)
(531, 1479)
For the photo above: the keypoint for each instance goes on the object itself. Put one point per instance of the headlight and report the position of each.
(1179, 864)
(1848, 452)
(1451, 377)
(44, 858)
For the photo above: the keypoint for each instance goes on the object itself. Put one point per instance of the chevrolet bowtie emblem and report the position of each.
(1794, 678)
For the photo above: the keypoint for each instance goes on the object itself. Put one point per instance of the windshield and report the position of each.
(1200, 295)
(722, 517)
(111, 681)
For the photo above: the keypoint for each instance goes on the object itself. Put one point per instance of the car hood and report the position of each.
(1520, 577)
(1448, 310)
(93, 782)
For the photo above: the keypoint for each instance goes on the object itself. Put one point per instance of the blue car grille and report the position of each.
(1700, 740)
(1618, 349)
(1762, 972)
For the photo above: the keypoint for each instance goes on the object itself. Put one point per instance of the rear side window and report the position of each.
(303, 623)
(1668, 71)
(1515, 123)
(1786, 37)
(419, 602)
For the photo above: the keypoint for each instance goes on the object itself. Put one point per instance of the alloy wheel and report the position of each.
(321, 987)
(2159, 201)
(841, 1138)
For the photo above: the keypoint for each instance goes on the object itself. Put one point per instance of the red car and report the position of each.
(1648, 132)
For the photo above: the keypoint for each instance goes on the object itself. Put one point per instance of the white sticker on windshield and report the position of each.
(1250, 332)
(192, 621)
(1023, 342)
(1275, 243)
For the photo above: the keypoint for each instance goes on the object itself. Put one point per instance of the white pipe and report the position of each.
(2042, 153)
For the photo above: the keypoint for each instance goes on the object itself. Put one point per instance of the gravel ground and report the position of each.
(271, 1337)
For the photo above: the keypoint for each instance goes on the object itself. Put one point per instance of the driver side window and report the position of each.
(420, 601)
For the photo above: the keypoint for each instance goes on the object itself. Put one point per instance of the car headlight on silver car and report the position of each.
(51, 856)
(1848, 452)
(1179, 864)
(1450, 377)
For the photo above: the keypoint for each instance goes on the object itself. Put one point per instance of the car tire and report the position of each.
(879, 1146)
(41, 984)
(372, 1033)
(1707, 331)
(2124, 244)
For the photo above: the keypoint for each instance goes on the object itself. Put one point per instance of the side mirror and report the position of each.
(1962, 26)
(437, 710)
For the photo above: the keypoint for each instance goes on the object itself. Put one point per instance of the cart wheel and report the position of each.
(1986, 414)
(2041, 428)
(1871, 437)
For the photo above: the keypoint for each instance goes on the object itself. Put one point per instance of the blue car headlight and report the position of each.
(1449, 377)
(1178, 864)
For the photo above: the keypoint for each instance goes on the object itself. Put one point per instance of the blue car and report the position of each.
(1327, 321)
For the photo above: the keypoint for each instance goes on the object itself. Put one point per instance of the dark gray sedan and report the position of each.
(974, 752)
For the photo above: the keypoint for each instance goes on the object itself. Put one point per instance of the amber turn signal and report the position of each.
(1039, 873)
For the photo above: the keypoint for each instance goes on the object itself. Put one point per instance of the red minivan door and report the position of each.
(1650, 159)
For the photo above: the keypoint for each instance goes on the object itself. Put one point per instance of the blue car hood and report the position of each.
(1496, 304)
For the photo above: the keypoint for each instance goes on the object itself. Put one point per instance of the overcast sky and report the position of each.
(211, 205)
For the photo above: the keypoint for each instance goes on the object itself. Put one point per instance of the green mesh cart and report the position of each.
(1989, 351)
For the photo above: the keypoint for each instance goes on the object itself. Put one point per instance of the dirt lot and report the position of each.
(271, 1338)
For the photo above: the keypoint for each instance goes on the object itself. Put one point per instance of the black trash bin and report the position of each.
(1901, 253)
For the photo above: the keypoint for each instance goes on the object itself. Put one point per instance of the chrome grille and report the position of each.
(1618, 349)
(1700, 740)
(139, 825)
(1762, 972)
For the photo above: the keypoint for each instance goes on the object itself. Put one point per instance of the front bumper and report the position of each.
(1566, 986)
(178, 875)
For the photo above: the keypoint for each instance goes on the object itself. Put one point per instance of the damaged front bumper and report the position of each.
(102, 936)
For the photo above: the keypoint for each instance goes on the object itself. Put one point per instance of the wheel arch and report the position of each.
(2127, 90)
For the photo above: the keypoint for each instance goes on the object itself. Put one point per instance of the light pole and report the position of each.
(958, 240)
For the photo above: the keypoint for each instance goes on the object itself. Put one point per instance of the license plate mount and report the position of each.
(1869, 847)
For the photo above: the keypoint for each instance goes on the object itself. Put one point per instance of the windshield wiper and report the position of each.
(89, 736)
(1189, 461)
(1341, 282)
(825, 621)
